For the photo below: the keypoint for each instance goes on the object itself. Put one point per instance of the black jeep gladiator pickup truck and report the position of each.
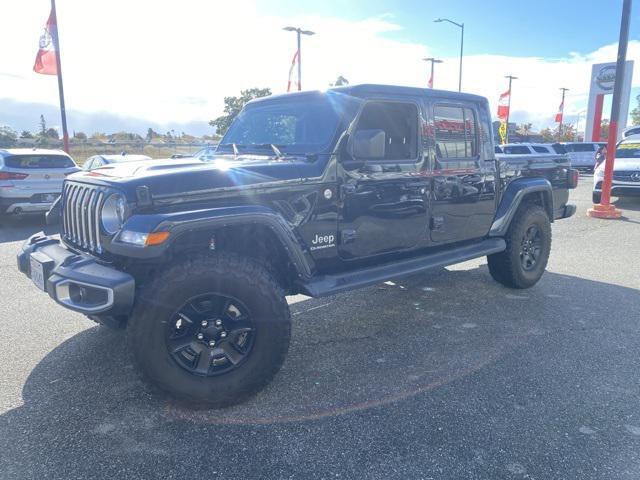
(311, 192)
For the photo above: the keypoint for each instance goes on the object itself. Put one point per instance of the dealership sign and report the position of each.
(603, 78)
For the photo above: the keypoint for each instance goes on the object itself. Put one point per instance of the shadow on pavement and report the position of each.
(382, 371)
(18, 228)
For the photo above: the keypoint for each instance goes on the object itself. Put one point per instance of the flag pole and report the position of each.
(561, 114)
(510, 77)
(56, 46)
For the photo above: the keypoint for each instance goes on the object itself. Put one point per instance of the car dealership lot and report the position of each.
(443, 375)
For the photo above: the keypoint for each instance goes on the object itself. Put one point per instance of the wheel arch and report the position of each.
(535, 190)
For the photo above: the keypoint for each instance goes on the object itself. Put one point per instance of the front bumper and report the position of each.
(78, 281)
(626, 189)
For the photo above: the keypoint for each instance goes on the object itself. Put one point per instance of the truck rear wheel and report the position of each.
(212, 330)
(528, 246)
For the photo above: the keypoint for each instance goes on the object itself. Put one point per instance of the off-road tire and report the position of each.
(596, 197)
(225, 274)
(506, 267)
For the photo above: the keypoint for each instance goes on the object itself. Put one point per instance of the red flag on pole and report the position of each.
(560, 112)
(503, 106)
(46, 58)
(292, 71)
(430, 83)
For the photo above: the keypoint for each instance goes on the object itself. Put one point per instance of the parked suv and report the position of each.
(311, 192)
(626, 171)
(31, 179)
(582, 154)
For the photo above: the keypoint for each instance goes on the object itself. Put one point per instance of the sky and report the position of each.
(169, 64)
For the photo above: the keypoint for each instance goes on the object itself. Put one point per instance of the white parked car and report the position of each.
(626, 170)
(582, 154)
(531, 148)
(31, 179)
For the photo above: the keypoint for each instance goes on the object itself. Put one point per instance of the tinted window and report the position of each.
(540, 149)
(516, 150)
(628, 150)
(38, 161)
(455, 132)
(579, 147)
(400, 124)
(559, 148)
(497, 149)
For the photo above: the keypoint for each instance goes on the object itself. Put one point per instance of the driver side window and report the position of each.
(399, 122)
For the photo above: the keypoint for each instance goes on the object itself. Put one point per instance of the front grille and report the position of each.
(81, 215)
(625, 175)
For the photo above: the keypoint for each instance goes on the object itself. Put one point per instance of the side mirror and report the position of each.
(368, 144)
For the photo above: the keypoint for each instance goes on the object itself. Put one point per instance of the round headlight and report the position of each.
(113, 213)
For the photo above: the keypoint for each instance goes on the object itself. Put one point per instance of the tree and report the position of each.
(340, 81)
(525, 130)
(43, 126)
(26, 134)
(151, 134)
(8, 136)
(635, 113)
(233, 105)
(80, 136)
(553, 135)
(52, 133)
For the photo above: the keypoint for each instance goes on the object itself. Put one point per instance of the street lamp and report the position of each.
(432, 60)
(299, 33)
(461, 26)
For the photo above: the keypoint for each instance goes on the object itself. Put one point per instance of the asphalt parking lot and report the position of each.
(445, 375)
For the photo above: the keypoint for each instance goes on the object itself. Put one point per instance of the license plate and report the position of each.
(37, 273)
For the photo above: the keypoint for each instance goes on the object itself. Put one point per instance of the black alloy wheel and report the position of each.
(210, 334)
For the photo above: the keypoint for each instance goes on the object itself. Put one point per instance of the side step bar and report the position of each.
(325, 285)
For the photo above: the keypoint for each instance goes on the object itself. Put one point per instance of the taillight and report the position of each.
(574, 175)
(12, 176)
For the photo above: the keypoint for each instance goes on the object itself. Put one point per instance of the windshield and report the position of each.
(628, 150)
(295, 127)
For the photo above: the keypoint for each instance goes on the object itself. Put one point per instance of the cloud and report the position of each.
(175, 64)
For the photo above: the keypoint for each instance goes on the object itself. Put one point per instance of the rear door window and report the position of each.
(29, 162)
(455, 132)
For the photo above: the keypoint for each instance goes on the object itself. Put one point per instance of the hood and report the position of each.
(622, 164)
(186, 175)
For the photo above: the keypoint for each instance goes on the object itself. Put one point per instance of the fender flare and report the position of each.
(178, 223)
(513, 196)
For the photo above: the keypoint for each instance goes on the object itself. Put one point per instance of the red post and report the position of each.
(605, 209)
(596, 135)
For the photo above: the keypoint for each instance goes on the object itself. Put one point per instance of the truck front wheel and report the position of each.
(528, 246)
(211, 330)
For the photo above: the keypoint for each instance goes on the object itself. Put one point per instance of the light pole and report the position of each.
(579, 114)
(461, 26)
(432, 60)
(299, 33)
(510, 77)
